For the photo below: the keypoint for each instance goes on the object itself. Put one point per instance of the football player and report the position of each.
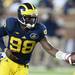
(24, 33)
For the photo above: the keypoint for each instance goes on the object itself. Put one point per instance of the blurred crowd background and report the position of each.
(59, 18)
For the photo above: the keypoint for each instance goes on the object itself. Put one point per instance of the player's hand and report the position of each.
(3, 55)
(71, 59)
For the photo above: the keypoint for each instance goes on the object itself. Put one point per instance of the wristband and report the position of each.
(61, 55)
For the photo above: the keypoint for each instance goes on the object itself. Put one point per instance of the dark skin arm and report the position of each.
(50, 49)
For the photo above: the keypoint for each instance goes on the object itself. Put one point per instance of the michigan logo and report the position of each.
(33, 36)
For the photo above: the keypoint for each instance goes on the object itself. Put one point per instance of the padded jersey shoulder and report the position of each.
(42, 28)
(11, 24)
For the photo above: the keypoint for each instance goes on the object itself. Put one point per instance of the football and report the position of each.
(71, 59)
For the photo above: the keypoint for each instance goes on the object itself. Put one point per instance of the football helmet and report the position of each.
(27, 15)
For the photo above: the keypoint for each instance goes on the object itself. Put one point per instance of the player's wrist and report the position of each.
(62, 56)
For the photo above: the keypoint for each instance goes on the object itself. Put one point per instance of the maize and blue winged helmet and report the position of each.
(27, 15)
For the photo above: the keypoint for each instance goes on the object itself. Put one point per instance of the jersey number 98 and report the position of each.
(17, 45)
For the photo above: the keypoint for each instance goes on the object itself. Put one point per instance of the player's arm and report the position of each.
(50, 49)
(3, 31)
(2, 45)
(57, 53)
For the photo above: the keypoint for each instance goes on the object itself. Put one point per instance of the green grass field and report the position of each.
(55, 71)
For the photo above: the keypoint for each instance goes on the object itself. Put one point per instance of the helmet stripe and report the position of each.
(28, 9)
(32, 6)
(29, 6)
(24, 6)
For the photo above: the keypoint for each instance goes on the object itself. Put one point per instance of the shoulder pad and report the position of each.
(43, 28)
(10, 24)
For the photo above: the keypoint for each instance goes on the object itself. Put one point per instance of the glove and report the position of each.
(70, 58)
(3, 55)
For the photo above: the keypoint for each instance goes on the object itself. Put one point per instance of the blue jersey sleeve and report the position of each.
(2, 45)
(2, 31)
